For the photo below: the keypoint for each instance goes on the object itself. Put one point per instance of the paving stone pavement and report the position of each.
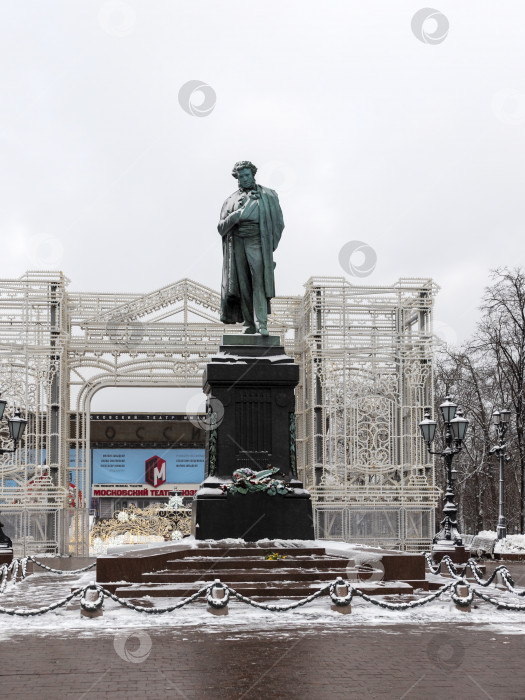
(413, 661)
(401, 661)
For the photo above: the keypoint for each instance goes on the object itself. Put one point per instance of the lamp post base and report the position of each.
(442, 540)
(502, 529)
(449, 533)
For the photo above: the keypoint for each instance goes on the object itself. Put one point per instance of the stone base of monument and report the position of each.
(175, 570)
(252, 516)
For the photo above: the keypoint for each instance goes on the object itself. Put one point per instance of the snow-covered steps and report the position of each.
(285, 590)
(250, 574)
(225, 561)
(179, 570)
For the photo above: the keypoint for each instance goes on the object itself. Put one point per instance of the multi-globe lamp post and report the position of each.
(17, 426)
(501, 420)
(455, 430)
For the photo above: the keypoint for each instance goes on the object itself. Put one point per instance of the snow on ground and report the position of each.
(42, 589)
(487, 533)
(514, 544)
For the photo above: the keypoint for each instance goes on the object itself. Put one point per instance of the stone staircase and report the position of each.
(179, 573)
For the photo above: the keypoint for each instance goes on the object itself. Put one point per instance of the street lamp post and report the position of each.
(455, 430)
(17, 426)
(501, 420)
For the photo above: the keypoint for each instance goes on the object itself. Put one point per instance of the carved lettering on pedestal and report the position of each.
(253, 421)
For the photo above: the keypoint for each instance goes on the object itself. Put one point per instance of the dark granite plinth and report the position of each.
(253, 516)
(250, 387)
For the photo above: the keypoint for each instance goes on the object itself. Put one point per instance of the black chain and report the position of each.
(12, 568)
(471, 564)
(16, 564)
(218, 603)
(154, 611)
(501, 604)
(61, 571)
(279, 608)
(20, 612)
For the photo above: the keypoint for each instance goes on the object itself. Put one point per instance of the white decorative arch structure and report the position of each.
(365, 355)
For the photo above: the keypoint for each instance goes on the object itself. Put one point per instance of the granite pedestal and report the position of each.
(250, 387)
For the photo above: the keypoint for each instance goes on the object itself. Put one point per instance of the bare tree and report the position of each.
(468, 379)
(500, 341)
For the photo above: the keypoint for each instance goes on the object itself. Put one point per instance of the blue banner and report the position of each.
(154, 467)
(113, 466)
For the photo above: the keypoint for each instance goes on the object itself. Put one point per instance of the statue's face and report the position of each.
(245, 177)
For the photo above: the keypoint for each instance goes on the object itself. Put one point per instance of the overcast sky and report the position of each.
(404, 134)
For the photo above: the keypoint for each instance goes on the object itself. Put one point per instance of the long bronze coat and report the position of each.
(271, 226)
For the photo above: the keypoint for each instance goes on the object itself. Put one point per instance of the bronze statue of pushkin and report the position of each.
(251, 226)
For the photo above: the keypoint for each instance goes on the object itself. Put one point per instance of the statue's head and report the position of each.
(244, 172)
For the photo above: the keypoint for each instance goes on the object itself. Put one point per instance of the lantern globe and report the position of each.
(428, 428)
(458, 426)
(448, 409)
(505, 416)
(17, 426)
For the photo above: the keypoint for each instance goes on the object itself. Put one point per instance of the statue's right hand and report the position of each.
(247, 208)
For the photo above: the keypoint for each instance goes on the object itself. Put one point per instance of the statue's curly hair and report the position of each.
(243, 164)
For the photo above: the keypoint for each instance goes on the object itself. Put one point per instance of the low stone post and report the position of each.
(340, 590)
(463, 591)
(218, 592)
(91, 596)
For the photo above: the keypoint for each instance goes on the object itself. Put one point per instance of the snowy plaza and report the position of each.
(312, 651)
(262, 350)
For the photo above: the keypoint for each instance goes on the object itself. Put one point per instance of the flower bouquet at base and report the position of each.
(247, 481)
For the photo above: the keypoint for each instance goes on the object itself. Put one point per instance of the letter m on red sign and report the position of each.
(155, 471)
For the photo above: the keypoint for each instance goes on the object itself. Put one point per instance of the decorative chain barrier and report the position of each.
(218, 594)
(91, 604)
(499, 604)
(279, 608)
(21, 612)
(500, 572)
(140, 608)
(61, 571)
(21, 564)
(12, 569)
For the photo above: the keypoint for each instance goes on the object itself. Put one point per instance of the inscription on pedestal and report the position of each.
(253, 419)
(254, 386)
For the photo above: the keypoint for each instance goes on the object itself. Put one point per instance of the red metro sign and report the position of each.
(155, 471)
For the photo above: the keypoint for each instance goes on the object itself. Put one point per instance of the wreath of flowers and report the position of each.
(247, 481)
